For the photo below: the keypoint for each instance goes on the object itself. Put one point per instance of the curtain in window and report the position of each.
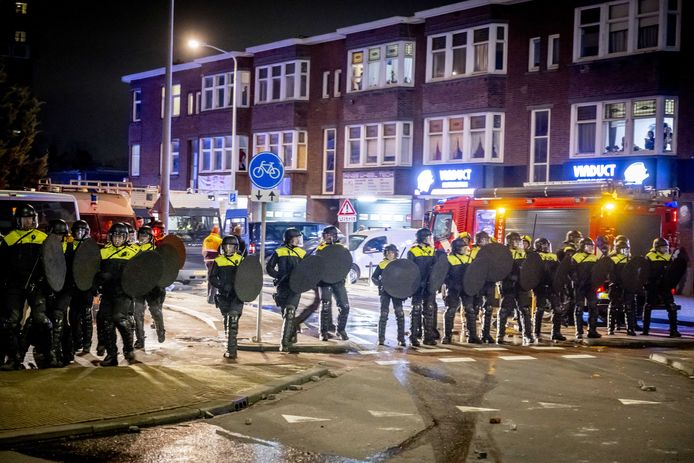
(481, 57)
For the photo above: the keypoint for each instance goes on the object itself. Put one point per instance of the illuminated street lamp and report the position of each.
(197, 44)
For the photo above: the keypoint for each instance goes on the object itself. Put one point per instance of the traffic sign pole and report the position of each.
(263, 227)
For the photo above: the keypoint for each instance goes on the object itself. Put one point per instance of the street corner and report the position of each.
(680, 360)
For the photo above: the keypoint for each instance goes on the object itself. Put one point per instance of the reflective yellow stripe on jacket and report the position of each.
(284, 251)
(25, 237)
(233, 261)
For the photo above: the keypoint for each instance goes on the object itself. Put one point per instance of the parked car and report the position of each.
(48, 206)
(274, 233)
(367, 248)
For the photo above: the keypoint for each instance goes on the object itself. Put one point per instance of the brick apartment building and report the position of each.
(402, 111)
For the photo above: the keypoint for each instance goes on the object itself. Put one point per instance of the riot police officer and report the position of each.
(222, 277)
(545, 297)
(154, 298)
(390, 253)
(570, 244)
(459, 260)
(658, 294)
(485, 298)
(423, 304)
(513, 297)
(584, 294)
(621, 300)
(327, 291)
(280, 266)
(80, 313)
(59, 301)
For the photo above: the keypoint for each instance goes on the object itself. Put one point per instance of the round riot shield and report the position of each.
(561, 276)
(475, 277)
(601, 271)
(141, 274)
(531, 271)
(500, 261)
(401, 278)
(85, 264)
(176, 242)
(635, 274)
(54, 265)
(438, 274)
(338, 262)
(249, 279)
(673, 273)
(169, 262)
(306, 274)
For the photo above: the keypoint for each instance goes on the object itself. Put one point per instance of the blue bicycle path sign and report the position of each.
(266, 170)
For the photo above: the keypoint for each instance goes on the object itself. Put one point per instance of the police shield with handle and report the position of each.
(59, 258)
(545, 296)
(85, 266)
(475, 284)
(396, 279)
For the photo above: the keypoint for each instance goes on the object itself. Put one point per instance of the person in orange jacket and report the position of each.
(210, 251)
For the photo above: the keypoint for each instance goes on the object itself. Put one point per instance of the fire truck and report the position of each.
(549, 210)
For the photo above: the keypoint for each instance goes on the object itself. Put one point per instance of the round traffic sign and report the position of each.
(266, 170)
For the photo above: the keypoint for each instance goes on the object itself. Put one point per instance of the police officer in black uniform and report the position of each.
(621, 300)
(327, 290)
(20, 253)
(582, 263)
(154, 298)
(459, 260)
(423, 304)
(222, 277)
(485, 298)
(657, 294)
(59, 301)
(80, 313)
(545, 297)
(390, 253)
(280, 267)
(513, 297)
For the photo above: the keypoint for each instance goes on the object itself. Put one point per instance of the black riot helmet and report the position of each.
(619, 238)
(145, 234)
(118, 234)
(58, 227)
(622, 247)
(80, 230)
(513, 238)
(573, 236)
(330, 234)
(132, 234)
(423, 235)
(230, 244)
(22, 211)
(584, 244)
(661, 245)
(543, 245)
(481, 238)
(458, 245)
(290, 233)
(390, 248)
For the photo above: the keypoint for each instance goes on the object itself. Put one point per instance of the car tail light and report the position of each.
(601, 290)
(251, 248)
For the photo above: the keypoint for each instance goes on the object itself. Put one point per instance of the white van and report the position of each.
(367, 248)
(48, 206)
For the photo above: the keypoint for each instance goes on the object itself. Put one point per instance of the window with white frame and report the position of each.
(381, 144)
(553, 51)
(539, 145)
(632, 126)
(464, 138)
(137, 105)
(329, 143)
(20, 36)
(381, 66)
(135, 161)
(624, 27)
(336, 83)
(534, 54)
(175, 157)
(289, 145)
(218, 90)
(190, 103)
(326, 84)
(216, 154)
(282, 81)
(467, 52)
(20, 8)
(175, 102)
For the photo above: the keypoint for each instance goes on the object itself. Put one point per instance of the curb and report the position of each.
(171, 416)
(640, 342)
(684, 365)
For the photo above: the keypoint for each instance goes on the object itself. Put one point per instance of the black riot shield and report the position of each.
(169, 262)
(673, 274)
(338, 262)
(306, 274)
(401, 278)
(176, 242)
(531, 271)
(141, 274)
(54, 265)
(601, 271)
(500, 261)
(85, 264)
(249, 279)
(561, 276)
(438, 274)
(475, 277)
(634, 274)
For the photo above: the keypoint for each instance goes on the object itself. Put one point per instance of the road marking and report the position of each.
(475, 409)
(386, 414)
(554, 405)
(517, 357)
(578, 356)
(302, 419)
(489, 348)
(546, 348)
(637, 402)
(456, 359)
(391, 362)
(431, 350)
(368, 352)
(391, 429)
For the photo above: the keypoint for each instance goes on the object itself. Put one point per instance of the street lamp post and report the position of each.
(197, 44)
(165, 182)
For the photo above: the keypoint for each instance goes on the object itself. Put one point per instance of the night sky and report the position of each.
(83, 48)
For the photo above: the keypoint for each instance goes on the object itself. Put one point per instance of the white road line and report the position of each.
(387, 414)
(392, 362)
(547, 348)
(555, 405)
(517, 357)
(302, 419)
(431, 350)
(456, 359)
(578, 356)
(490, 349)
(475, 409)
(637, 402)
(368, 352)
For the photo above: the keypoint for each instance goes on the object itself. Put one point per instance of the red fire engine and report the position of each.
(595, 209)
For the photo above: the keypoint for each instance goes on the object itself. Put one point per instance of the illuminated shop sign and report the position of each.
(448, 180)
(629, 171)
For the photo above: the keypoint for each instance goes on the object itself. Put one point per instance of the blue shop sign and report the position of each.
(449, 180)
(631, 171)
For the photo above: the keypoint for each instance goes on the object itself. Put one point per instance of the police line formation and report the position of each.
(58, 274)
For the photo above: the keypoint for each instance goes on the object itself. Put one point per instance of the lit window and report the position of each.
(289, 145)
(386, 66)
(135, 160)
(20, 36)
(137, 105)
(216, 154)
(383, 144)
(20, 8)
(175, 102)
(329, 140)
(217, 90)
(464, 138)
(280, 82)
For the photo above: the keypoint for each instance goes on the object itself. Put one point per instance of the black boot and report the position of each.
(109, 339)
(630, 315)
(611, 318)
(448, 321)
(342, 314)
(158, 317)
(526, 325)
(593, 323)
(139, 324)
(429, 320)
(501, 320)
(646, 319)
(125, 329)
(557, 319)
(415, 324)
(288, 328)
(87, 328)
(400, 321)
(672, 319)
(57, 347)
(382, 321)
(487, 325)
(326, 319)
(471, 328)
(231, 338)
(578, 322)
(537, 323)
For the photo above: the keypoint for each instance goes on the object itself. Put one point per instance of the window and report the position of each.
(243, 152)
(20, 8)
(175, 156)
(216, 153)
(137, 105)
(20, 36)
(464, 138)
(384, 144)
(175, 102)
(467, 52)
(637, 126)
(217, 90)
(190, 103)
(384, 65)
(539, 146)
(326, 84)
(135, 160)
(624, 27)
(329, 140)
(289, 145)
(338, 76)
(553, 51)
(280, 82)
(534, 54)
